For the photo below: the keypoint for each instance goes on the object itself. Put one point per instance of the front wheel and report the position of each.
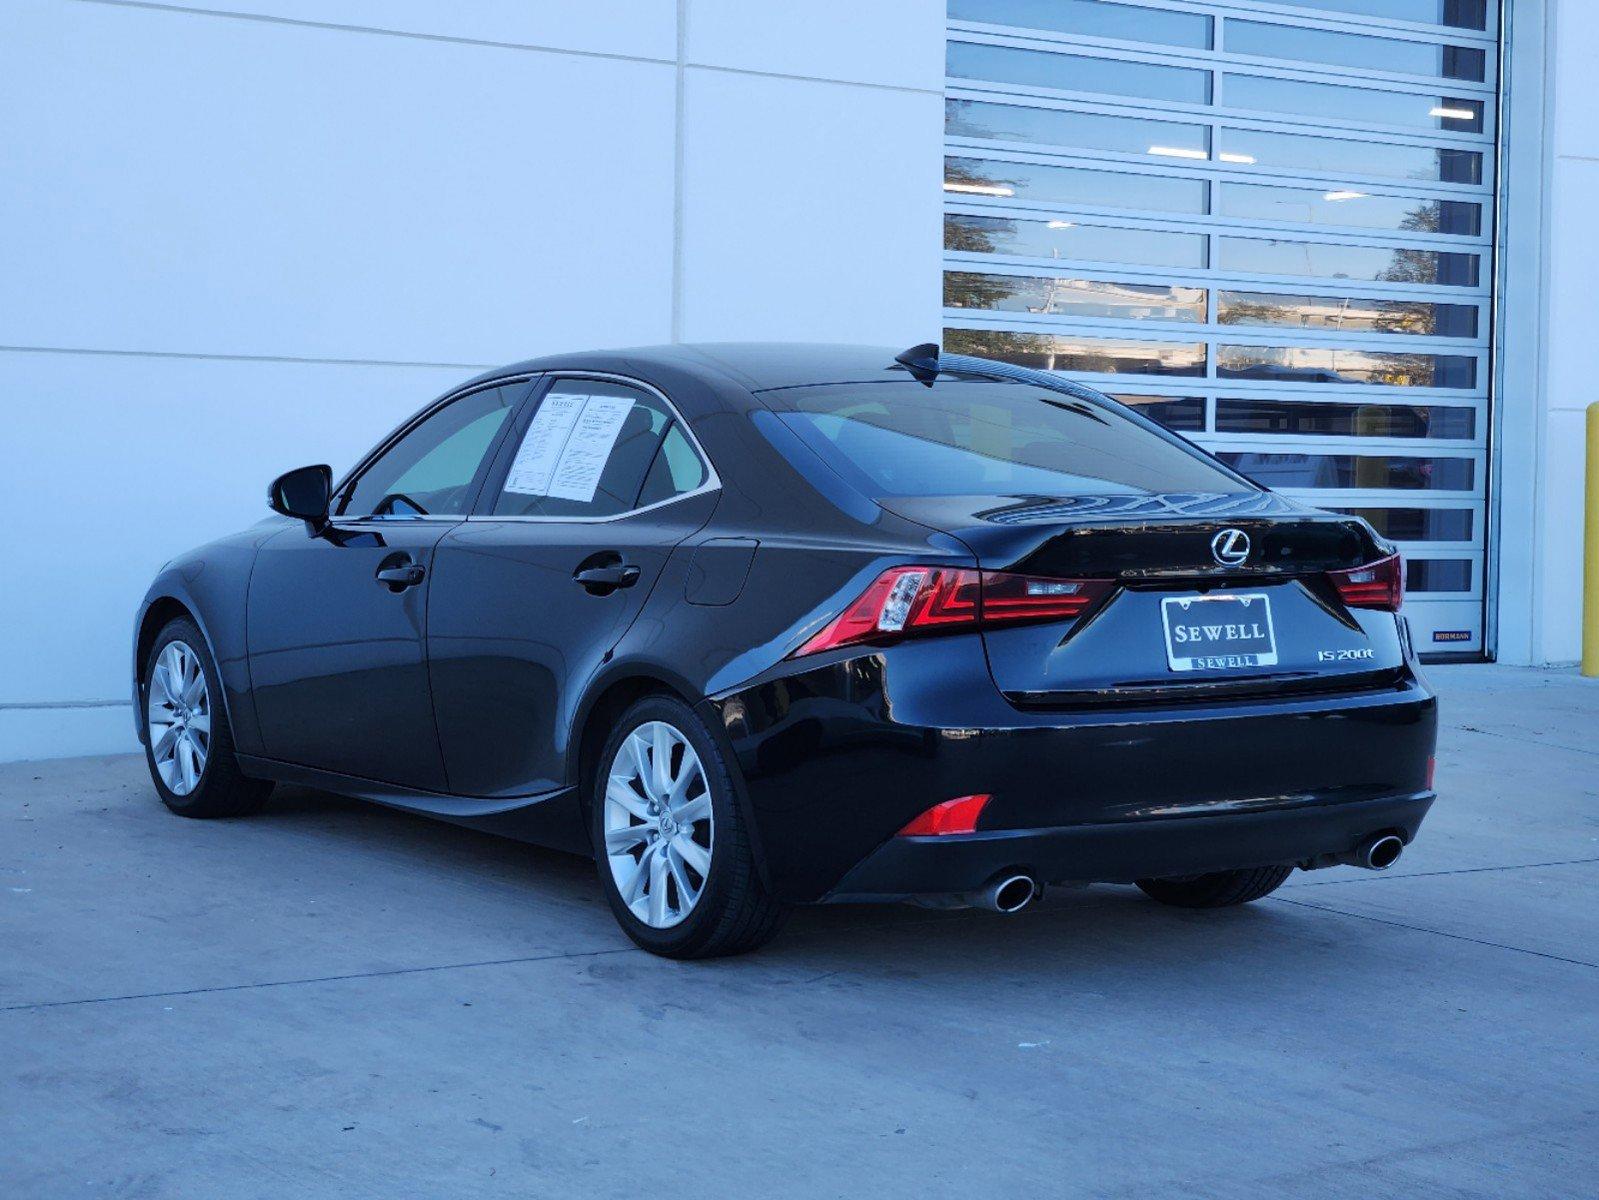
(1218, 889)
(674, 854)
(188, 744)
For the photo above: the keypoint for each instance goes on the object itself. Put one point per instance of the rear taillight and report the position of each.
(1380, 584)
(952, 816)
(906, 601)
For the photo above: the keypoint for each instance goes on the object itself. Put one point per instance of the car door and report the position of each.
(597, 484)
(336, 620)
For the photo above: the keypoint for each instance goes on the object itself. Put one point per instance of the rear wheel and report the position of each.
(188, 743)
(673, 851)
(1218, 889)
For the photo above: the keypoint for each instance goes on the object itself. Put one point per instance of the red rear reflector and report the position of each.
(1432, 766)
(952, 816)
(904, 601)
(1380, 584)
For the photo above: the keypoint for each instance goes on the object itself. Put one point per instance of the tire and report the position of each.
(1219, 889)
(731, 912)
(219, 788)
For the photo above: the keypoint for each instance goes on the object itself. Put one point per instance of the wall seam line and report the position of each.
(264, 358)
(678, 123)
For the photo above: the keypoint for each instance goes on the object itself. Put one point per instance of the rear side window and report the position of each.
(979, 437)
(587, 451)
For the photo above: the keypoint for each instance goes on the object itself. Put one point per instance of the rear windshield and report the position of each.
(979, 437)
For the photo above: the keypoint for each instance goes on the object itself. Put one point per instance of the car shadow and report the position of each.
(1085, 933)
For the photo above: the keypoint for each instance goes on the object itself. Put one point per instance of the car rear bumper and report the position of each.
(1125, 851)
(835, 759)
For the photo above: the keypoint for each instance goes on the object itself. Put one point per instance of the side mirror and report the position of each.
(304, 492)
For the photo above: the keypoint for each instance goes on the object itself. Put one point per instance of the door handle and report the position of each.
(603, 580)
(400, 577)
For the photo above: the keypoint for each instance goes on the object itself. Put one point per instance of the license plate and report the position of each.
(1219, 633)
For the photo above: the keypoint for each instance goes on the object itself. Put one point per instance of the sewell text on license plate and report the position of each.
(1219, 632)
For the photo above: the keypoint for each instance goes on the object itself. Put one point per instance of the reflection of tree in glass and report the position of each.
(976, 235)
(964, 171)
(964, 289)
(1023, 349)
(1238, 311)
(1409, 266)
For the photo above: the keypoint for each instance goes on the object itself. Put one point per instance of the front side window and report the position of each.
(967, 437)
(430, 471)
(594, 448)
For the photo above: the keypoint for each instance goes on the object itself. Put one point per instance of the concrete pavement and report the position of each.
(331, 999)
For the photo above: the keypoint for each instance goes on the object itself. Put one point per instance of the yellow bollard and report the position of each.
(1590, 571)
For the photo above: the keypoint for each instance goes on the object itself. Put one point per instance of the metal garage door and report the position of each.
(1270, 225)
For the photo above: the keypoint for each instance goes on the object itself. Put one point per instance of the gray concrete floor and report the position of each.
(332, 999)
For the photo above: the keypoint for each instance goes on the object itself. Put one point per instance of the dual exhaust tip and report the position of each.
(1008, 893)
(1377, 852)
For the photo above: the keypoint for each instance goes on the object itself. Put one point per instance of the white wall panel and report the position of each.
(184, 183)
(121, 462)
(894, 42)
(1560, 548)
(1549, 317)
(799, 225)
(1575, 129)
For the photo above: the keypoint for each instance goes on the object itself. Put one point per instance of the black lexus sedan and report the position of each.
(760, 625)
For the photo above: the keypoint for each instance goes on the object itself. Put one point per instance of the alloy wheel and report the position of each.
(179, 714)
(658, 824)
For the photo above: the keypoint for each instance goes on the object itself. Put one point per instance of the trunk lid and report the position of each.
(1179, 623)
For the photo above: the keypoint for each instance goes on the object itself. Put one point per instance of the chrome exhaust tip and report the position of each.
(1380, 851)
(1007, 894)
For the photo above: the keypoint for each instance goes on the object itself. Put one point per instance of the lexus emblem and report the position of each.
(1230, 547)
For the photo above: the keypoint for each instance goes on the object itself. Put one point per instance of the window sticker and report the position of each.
(564, 452)
(587, 450)
(534, 465)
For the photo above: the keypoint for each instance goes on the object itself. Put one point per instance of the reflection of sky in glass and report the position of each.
(1090, 18)
(1077, 73)
(1057, 127)
(1072, 240)
(1353, 103)
(1354, 50)
(1037, 183)
(1344, 157)
(1337, 419)
(1347, 314)
(1259, 256)
(1351, 470)
(1458, 14)
(1051, 296)
(1347, 206)
(1327, 364)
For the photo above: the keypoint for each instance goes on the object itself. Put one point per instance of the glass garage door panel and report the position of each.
(1268, 228)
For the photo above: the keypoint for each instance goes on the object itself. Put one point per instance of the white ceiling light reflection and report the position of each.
(1247, 159)
(1177, 152)
(979, 189)
(1063, 225)
(1453, 114)
(1343, 195)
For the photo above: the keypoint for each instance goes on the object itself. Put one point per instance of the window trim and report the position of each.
(501, 467)
(367, 461)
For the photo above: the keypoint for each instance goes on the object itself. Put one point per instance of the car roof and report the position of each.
(756, 366)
